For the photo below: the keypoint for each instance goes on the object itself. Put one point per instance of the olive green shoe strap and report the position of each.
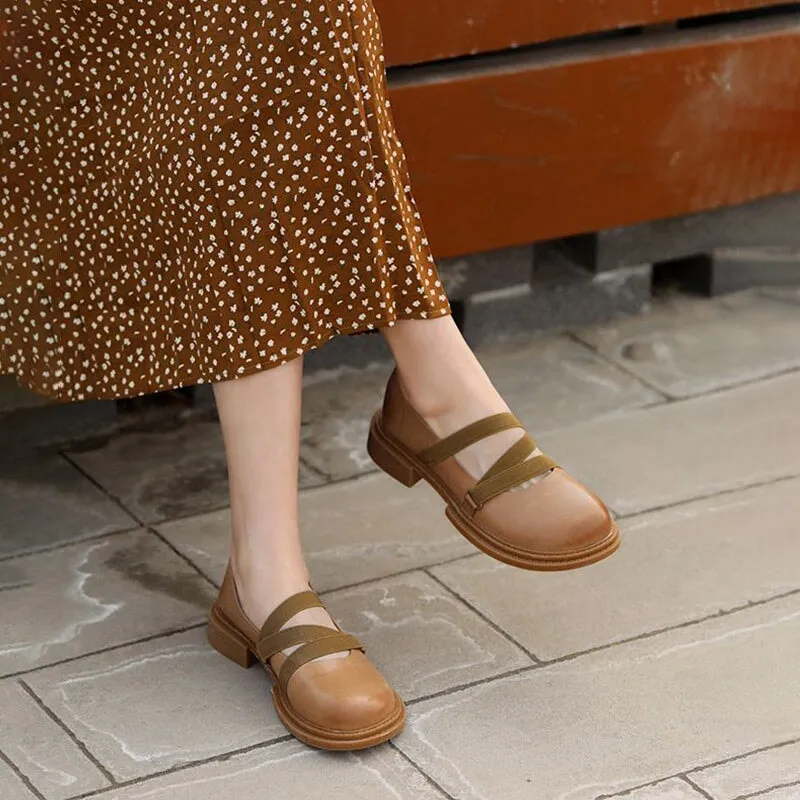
(273, 644)
(460, 440)
(289, 608)
(337, 643)
(516, 454)
(510, 478)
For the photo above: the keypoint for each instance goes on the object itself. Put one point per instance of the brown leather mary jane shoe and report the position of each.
(552, 523)
(333, 704)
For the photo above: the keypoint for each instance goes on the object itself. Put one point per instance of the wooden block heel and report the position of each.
(382, 453)
(228, 642)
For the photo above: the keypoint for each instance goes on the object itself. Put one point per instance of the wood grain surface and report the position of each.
(512, 149)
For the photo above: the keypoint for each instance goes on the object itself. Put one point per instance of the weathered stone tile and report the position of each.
(549, 382)
(422, 638)
(11, 787)
(336, 415)
(159, 704)
(675, 566)
(675, 789)
(44, 501)
(752, 774)
(688, 347)
(164, 474)
(659, 456)
(94, 595)
(609, 721)
(780, 793)
(352, 532)
(290, 770)
(41, 750)
(204, 540)
(554, 382)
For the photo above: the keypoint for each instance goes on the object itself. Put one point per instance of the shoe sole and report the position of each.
(399, 462)
(224, 637)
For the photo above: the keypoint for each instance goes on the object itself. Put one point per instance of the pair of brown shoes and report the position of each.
(551, 523)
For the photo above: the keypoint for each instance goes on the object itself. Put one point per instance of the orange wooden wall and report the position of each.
(534, 143)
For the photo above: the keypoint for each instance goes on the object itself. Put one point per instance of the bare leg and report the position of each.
(260, 417)
(447, 385)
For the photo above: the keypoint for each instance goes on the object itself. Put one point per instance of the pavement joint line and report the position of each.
(26, 781)
(418, 768)
(73, 737)
(684, 775)
(21, 585)
(399, 574)
(600, 648)
(725, 612)
(113, 498)
(481, 615)
(92, 537)
(700, 497)
(671, 399)
(101, 651)
(220, 758)
(699, 789)
(326, 476)
(512, 673)
(667, 397)
(764, 792)
(186, 560)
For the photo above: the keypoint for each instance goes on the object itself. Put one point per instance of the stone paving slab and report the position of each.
(675, 566)
(174, 700)
(11, 787)
(549, 382)
(423, 639)
(675, 789)
(166, 474)
(675, 452)
(686, 348)
(752, 774)
(164, 703)
(94, 595)
(45, 501)
(290, 770)
(41, 750)
(782, 793)
(635, 714)
(352, 532)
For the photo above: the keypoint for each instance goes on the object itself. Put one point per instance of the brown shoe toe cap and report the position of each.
(555, 515)
(342, 695)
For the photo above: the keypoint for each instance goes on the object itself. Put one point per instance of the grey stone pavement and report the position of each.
(669, 672)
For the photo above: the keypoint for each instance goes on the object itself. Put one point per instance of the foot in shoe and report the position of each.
(449, 415)
(261, 590)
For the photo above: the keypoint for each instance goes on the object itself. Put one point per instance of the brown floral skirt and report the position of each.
(195, 191)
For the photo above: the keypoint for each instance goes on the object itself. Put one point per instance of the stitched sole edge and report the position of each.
(327, 739)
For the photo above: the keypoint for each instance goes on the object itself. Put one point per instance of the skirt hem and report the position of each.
(201, 377)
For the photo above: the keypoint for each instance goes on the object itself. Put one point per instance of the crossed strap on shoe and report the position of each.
(512, 469)
(315, 641)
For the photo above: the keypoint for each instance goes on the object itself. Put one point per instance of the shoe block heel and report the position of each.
(389, 461)
(227, 643)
